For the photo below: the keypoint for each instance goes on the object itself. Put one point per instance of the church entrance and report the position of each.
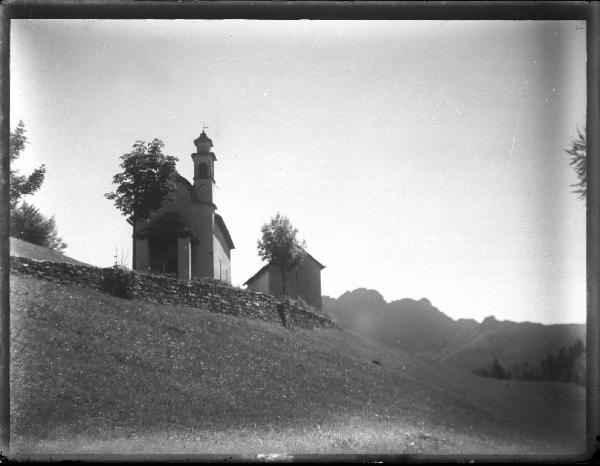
(163, 255)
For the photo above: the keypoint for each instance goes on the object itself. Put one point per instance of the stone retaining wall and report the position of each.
(208, 294)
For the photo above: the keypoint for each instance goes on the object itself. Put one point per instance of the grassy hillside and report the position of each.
(93, 373)
(22, 248)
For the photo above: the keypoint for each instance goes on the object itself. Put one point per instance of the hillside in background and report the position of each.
(420, 328)
(21, 248)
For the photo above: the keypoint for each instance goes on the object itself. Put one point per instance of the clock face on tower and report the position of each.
(203, 189)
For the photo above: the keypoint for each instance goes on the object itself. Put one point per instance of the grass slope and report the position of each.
(22, 248)
(95, 374)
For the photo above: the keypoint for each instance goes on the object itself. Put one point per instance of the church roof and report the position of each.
(166, 225)
(184, 181)
(221, 224)
(265, 267)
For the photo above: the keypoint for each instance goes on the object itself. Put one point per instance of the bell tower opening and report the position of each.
(203, 170)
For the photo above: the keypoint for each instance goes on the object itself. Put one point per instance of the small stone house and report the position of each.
(186, 238)
(304, 281)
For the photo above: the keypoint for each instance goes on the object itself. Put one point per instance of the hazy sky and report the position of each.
(418, 158)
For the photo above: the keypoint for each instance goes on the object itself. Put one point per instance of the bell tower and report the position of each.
(204, 168)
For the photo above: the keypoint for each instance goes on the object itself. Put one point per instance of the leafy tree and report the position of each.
(577, 159)
(21, 185)
(146, 183)
(280, 246)
(28, 224)
(26, 221)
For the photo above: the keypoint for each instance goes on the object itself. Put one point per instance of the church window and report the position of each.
(203, 170)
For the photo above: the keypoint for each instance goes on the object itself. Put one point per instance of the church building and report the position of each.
(186, 238)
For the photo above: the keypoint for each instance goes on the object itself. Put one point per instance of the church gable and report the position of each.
(173, 217)
(184, 190)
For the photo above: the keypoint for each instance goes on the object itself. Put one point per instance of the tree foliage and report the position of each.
(28, 224)
(279, 245)
(21, 185)
(26, 221)
(577, 159)
(565, 366)
(147, 181)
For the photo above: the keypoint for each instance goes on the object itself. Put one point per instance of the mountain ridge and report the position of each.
(417, 326)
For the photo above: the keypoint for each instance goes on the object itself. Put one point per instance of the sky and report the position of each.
(417, 158)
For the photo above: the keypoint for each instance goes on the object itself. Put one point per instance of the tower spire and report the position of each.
(203, 143)
(204, 167)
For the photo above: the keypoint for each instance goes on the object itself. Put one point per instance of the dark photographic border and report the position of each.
(190, 9)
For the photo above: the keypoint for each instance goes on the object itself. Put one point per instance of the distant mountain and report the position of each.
(421, 328)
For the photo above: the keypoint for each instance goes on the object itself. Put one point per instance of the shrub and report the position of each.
(119, 281)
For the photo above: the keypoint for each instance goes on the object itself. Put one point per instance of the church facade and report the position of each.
(186, 238)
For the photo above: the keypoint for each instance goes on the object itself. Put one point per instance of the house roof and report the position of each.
(257, 274)
(221, 224)
(265, 267)
(315, 260)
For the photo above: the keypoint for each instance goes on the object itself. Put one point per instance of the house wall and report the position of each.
(261, 283)
(304, 281)
(308, 280)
